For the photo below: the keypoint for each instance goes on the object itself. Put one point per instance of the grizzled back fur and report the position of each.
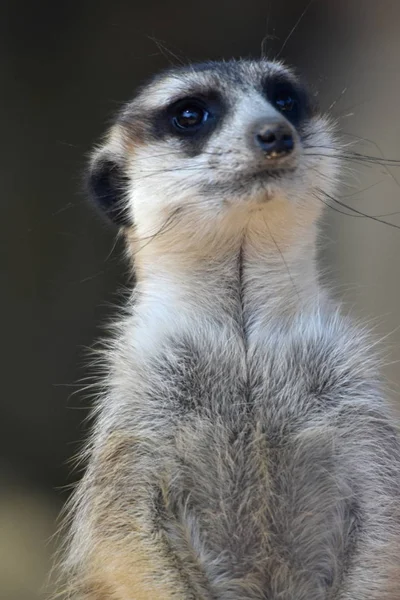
(242, 447)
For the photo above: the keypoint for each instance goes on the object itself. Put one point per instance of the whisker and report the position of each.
(166, 52)
(379, 149)
(338, 99)
(282, 257)
(355, 216)
(178, 152)
(354, 156)
(267, 36)
(356, 211)
(172, 170)
(364, 189)
(342, 212)
(291, 32)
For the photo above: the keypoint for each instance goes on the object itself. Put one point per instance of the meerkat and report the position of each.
(242, 447)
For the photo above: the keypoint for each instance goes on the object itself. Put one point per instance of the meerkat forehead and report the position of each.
(223, 77)
(211, 135)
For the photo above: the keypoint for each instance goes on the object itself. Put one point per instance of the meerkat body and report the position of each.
(242, 447)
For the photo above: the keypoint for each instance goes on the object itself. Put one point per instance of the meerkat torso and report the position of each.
(242, 447)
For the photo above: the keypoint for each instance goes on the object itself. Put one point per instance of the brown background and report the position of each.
(65, 68)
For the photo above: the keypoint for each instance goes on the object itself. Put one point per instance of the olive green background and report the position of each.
(65, 68)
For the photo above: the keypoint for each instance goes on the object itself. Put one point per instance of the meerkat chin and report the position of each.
(242, 445)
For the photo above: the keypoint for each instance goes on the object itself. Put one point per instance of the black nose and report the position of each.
(275, 140)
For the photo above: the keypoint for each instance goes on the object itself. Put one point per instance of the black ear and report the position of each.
(107, 186)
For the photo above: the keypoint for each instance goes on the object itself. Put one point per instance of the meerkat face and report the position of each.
(210, 137)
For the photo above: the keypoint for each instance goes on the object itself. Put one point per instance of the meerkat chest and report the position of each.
(282, 374)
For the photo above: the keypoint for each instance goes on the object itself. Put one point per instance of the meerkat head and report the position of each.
(208, 144)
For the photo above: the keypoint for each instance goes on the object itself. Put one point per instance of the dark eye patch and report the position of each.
(289, 98)
(191, 120)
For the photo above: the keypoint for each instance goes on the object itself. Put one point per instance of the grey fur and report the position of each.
(242, 441)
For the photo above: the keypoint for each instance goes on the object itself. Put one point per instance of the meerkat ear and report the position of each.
(107, 184)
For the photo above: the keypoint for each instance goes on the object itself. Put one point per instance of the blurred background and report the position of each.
(66, 68)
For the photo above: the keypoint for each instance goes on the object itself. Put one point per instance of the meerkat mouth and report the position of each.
(248, 183)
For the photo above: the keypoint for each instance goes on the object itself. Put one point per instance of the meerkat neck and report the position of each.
(276, 282)
(251, 274)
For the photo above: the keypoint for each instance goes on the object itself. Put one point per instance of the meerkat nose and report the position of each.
(275, 139)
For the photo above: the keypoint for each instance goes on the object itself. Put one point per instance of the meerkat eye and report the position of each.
(288, 99)
(189, 115)
(285, 100)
